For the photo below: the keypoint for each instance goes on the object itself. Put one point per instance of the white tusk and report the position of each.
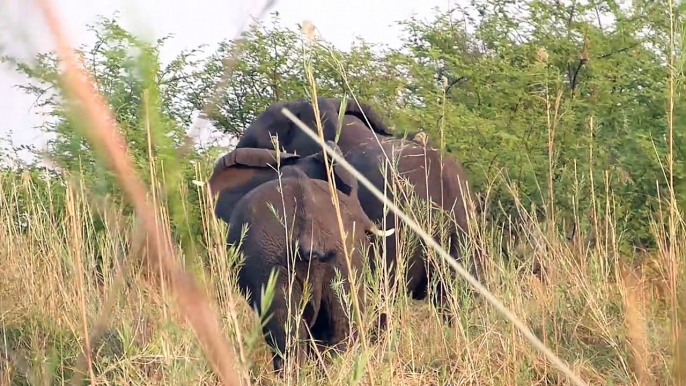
(385, 233)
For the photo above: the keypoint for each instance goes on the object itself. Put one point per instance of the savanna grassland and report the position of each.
(568, 116)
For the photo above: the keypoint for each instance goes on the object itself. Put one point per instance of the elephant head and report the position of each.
(272, 122)
(312, 192)
(312, 232)
(346, 183)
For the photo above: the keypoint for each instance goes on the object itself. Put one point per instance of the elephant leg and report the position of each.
(412, 260)
(338, 318)
(440, 297)
(417, 280)
(440, 301)
(437, 276)
(382, 258)
(458, 244)
(474, 265)
(442, 286)
(274, 329)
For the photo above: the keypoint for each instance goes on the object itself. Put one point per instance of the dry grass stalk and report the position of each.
(634, 303)
(105, 137)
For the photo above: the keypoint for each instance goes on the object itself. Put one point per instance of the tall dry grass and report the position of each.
(611, 321)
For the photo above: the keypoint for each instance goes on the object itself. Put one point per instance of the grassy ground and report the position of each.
(609, 321)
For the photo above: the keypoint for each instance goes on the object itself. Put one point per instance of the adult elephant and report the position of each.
(304, 204)
(366, 142)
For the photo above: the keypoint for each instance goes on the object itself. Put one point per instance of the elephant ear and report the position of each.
(328, 113)
(364, 113)
(266, 124)
(345, 181)
(240, 159)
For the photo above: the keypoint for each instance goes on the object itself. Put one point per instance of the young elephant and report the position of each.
(304, 205)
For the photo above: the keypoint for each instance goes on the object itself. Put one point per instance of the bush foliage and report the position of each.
(561, 103)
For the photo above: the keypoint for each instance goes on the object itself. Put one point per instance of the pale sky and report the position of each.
(22, 32)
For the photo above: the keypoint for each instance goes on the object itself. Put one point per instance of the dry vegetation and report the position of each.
(611, 319)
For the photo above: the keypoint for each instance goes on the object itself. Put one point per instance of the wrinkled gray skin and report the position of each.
(245, 191)
(359, 142)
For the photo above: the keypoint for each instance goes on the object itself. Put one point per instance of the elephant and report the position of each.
(365, 141)
(250, 193)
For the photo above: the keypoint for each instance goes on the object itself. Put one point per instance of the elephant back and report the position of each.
(365, 113)
(230, 163)
(252, 157)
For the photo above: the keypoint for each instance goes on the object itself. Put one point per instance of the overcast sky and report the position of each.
(23, 33)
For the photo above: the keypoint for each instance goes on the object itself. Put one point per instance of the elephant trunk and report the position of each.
(368, 223)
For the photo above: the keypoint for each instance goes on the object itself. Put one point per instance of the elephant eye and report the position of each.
(328, 256)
